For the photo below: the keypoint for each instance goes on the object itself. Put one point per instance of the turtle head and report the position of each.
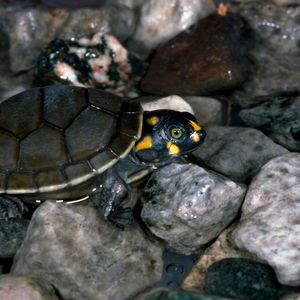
(167, 134)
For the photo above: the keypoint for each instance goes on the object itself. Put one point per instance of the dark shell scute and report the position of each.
(120, 143)
(43, 148)
(21, 182)
(48, 180)
(103, 160)
(2, 182)
(76, 173)
(62, 104)
(22, 113)
(105, 100)
(9, 150)
(90, 132)
(130, 124)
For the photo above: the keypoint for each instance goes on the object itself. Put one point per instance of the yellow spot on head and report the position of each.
(145, 143)
(222, 9)
(196, 137)
(153, 121)
(194, 125)
(173, 149)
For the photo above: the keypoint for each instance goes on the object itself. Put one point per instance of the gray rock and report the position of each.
(279, 118)
(276, 54)
(187, 206)
(14, 287)
(162, 20)
(117, 20)
(85, 257)
(12, 234)
(237, 152)
(208, 111)
(294, 296)
(270, 227)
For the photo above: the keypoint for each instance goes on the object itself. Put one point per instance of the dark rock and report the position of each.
(12, 234)
(85, 257)
(210, 56)
(14, 287)
(237, 152)
(187, 206)
(279, 118)
(242, 279)
(276, 52)
(74, 4)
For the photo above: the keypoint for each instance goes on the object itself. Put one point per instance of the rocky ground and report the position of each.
(234, 208)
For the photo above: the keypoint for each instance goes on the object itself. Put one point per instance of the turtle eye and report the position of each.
(176, 133)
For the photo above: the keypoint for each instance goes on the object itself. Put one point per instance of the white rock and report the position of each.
(270, 224)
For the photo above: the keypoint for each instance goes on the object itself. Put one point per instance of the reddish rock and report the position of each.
(209, 56)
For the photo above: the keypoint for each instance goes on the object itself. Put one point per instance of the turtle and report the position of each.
(65, 143)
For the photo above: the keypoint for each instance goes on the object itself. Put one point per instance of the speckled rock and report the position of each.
(276, 54)
(208, 57)
(162, 20)
(242, 278)
(223, 247)
(187, 206)
(270, 219)
(208, 110)
(14, 287)
(237, 152)
(12, 233)
(85, 257)
(117, 20)
(279, 117)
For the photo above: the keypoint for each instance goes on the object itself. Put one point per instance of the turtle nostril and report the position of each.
(202, 134)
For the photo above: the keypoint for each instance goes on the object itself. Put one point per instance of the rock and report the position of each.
(279, 117)
(242, 278)
(74, 4)
(187, 206)
(173, 102)
(14, 287)
(269, 227)
(12, 234)
(117, 20)
(223, 247)
(85, 257)
(276, 52)
(210, 111)
(295, 296)
(208, 57)
(178, 295)
(97, 62)
(237, 152)
(27, 31)
(161, 20)
(285, 2)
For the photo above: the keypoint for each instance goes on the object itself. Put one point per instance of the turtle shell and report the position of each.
(62, 136)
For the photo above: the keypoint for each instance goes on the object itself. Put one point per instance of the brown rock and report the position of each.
(209, 56)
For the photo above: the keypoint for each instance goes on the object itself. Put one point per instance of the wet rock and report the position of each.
(173, 102)
(237, 152)
(242, 278)
(85, 257)
(279, 117)
(14, 287)
(269, 227)
(12, 234)
(162, 20)
(178, 295)
(27, 31)
(117, 20)
(187, 206)
(209, 111)
(223, 247)
(276, 53)
(210, 56)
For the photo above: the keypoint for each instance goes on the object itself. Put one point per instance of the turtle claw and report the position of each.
(121, 217)
(11, 207)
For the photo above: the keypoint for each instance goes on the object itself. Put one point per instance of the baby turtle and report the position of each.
(65, 143)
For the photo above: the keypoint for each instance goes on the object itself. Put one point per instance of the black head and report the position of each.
(167, 134)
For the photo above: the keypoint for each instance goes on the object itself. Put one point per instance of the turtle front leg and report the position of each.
(11, 207)
(115, 192)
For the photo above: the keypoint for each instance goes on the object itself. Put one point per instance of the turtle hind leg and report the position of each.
(11, 207)
(121, 217)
